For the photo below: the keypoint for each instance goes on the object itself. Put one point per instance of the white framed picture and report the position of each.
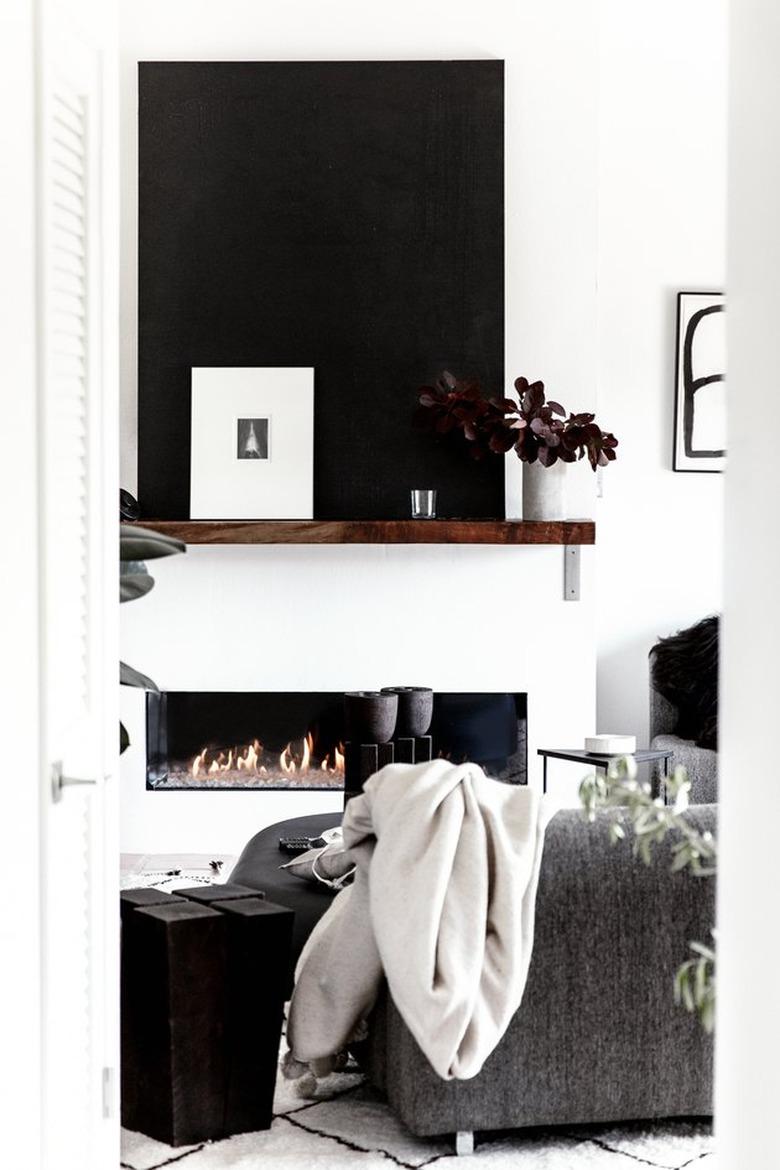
(700, 394)
(252, 444)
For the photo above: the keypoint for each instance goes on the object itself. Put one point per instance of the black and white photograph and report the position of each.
(253, 438)
(700, 397)
(251, 450)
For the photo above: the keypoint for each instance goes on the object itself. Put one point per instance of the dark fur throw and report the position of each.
(684, 669)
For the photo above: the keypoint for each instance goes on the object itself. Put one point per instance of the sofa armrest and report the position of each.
(597, 1036)
(701, 764)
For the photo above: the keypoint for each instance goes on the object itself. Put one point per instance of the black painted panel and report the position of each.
(341, 215)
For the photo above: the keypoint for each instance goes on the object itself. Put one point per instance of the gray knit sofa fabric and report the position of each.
(598, 1037)
(700, 763)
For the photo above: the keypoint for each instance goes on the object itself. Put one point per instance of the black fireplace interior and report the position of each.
(199, 740)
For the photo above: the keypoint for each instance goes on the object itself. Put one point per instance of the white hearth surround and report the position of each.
(342, 618)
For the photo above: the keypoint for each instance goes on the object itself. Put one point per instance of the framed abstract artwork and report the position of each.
(252, 443)
(700, 383)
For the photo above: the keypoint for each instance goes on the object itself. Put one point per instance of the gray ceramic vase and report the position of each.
(415, 709)
(370, 716)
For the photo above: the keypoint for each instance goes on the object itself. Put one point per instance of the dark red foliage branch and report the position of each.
(535, 426)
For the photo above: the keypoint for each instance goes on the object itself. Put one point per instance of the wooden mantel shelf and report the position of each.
(509, 532)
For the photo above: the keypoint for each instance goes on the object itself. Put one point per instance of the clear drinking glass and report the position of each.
(423, 503)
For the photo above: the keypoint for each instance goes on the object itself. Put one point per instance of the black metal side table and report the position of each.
(598, 760)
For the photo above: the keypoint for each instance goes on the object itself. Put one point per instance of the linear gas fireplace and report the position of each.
(201, 740)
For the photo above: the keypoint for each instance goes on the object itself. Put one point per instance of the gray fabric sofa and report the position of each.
(700, 763)
(598, 1037)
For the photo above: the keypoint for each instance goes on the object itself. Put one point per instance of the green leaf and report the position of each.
(679, 979)
(701, 984)
(707, 1015)
(130, 677)
(124, 739)
(685, 988)
(133, 585)
(143, 544)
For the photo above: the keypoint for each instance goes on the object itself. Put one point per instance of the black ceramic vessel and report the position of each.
(370, 716)
(415, 709)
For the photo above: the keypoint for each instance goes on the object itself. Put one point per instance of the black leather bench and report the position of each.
(258, 868)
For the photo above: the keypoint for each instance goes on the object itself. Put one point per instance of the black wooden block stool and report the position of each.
(174, 960)
(202, 1000)
(208, 895)
(259, 935)
(133, 984)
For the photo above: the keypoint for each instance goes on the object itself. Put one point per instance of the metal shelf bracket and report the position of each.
(571, 572)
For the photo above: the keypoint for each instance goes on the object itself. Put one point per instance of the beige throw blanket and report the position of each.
(443, 903)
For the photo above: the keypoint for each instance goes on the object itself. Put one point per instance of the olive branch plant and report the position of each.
(653, 821)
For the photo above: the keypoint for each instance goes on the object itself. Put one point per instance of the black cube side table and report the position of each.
(598, 760)
(204, 977)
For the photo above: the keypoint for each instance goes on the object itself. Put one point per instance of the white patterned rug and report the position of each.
(348, 1125)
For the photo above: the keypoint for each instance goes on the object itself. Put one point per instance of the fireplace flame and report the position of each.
(290, 765)
(338, 764)
(252, 761)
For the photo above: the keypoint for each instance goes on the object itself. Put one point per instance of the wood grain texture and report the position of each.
(502, 532)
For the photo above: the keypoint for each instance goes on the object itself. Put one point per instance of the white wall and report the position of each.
(748, 1024)
(20, 928)
(349, 617)
(661, 228)
(615, 179)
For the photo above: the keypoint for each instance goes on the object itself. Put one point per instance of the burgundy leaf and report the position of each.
(537, 429)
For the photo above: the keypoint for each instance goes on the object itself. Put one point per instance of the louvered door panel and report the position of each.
(67, 463)
(73, 552)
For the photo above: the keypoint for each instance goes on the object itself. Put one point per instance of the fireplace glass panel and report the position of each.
(294, 740)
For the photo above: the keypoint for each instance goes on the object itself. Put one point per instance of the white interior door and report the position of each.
(77, 391)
